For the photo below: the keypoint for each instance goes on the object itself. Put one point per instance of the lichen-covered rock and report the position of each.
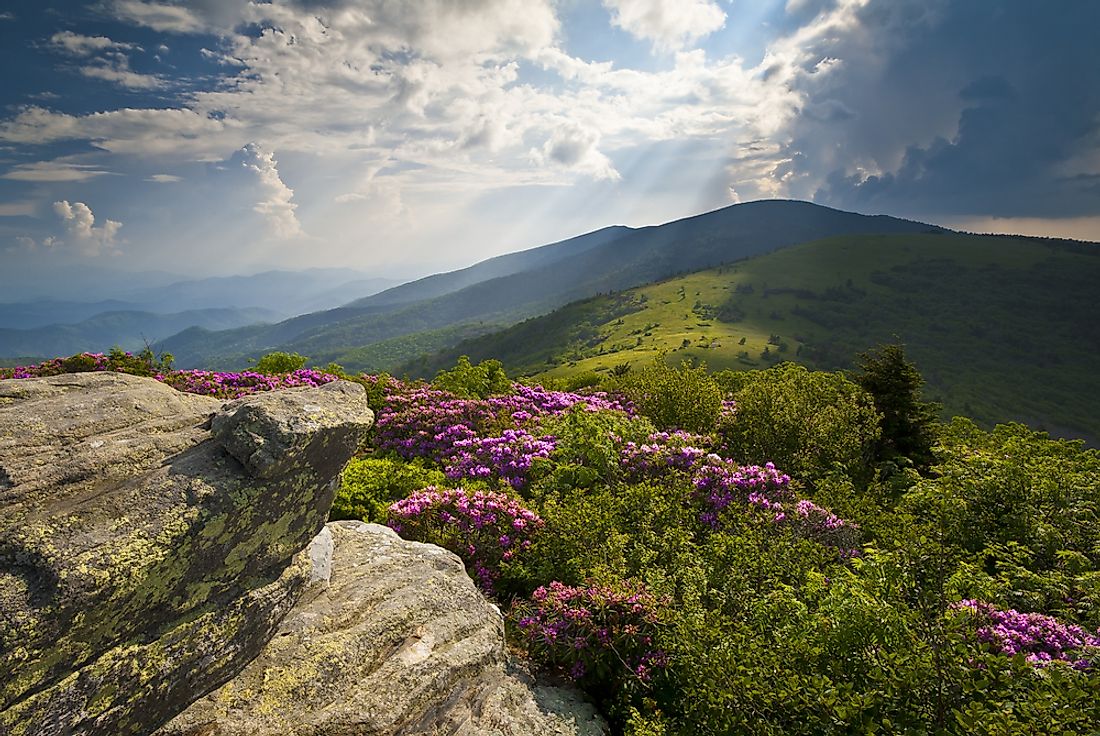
(142, 562)
(398, 641)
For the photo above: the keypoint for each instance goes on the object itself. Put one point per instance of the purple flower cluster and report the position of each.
(1043, 639)
(508, 457)
(575, 629)
(494, 438)
(485, 529)
(88, 362)
(236, 385)
(662, 452)
(208, 383)
(720, 482)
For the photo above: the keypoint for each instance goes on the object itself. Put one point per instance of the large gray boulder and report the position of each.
(145, 559)
(397, 640)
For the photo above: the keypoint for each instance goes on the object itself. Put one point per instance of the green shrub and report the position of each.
(370, 485)
(674, 398)
(279, 362)
(470, 381)
(807, 423)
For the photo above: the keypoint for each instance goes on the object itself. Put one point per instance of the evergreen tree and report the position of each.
(908, 424)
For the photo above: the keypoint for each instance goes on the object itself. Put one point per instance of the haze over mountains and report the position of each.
(442, 309)
(145, 313)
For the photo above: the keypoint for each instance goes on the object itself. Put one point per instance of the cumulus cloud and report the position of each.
(80, 225)
(276, 207)
(669, 24)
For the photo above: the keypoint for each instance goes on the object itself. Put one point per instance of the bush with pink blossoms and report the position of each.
(1042, 639)
(489, 531)
(664, 451)
(601, 636)
(227, 385)
(507, 458)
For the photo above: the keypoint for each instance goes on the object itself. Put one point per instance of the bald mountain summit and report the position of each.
(385, 330)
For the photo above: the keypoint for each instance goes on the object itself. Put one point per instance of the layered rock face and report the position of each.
(393, 639)
(149, 540)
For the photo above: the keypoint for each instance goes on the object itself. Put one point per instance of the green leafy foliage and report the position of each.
(279, 362)
(469, 381)
(745, 624)
(808, 423)
(370, 485)
(673, 398)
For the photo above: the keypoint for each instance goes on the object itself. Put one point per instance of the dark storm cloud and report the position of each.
(964, 108)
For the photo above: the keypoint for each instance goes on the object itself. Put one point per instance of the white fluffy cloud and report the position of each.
(80, 226)
(669, 24)
(277, 206)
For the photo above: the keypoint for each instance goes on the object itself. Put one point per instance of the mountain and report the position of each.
(286, 292)
(547, 277)
(129, 330)
(439, 284)
(283, 293)
(1003, 328)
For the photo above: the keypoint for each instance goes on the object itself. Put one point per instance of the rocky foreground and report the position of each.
(152, 544)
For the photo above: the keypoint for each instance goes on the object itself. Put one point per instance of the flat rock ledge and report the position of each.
(150, 539)
(392, 638)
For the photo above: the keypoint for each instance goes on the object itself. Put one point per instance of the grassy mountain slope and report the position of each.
(1003, 328)
(127, 329)
(634, 257)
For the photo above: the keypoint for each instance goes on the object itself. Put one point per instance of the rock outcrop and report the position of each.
(150, 539)
(394, 639)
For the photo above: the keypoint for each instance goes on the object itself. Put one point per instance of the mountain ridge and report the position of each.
(620, 259)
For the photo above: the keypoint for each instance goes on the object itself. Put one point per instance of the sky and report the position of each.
(404, 137)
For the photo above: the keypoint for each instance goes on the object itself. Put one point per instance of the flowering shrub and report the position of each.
(235, 385)
(1043, 639)
(222, 385)
(664, 451)
(144, 363)
(597, 635)
(487, 530)
(508, 458)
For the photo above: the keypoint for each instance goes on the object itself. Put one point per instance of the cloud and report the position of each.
(949, 110)
(80, 225)
(164, 178)
(577, 148)
(106, 59)
(76, 44)
(277, 206)
(669, 24)
(53, 171)
(164, 17)
(116, 69)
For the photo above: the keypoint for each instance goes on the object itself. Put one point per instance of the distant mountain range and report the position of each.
(504, 290)
(46, 328)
